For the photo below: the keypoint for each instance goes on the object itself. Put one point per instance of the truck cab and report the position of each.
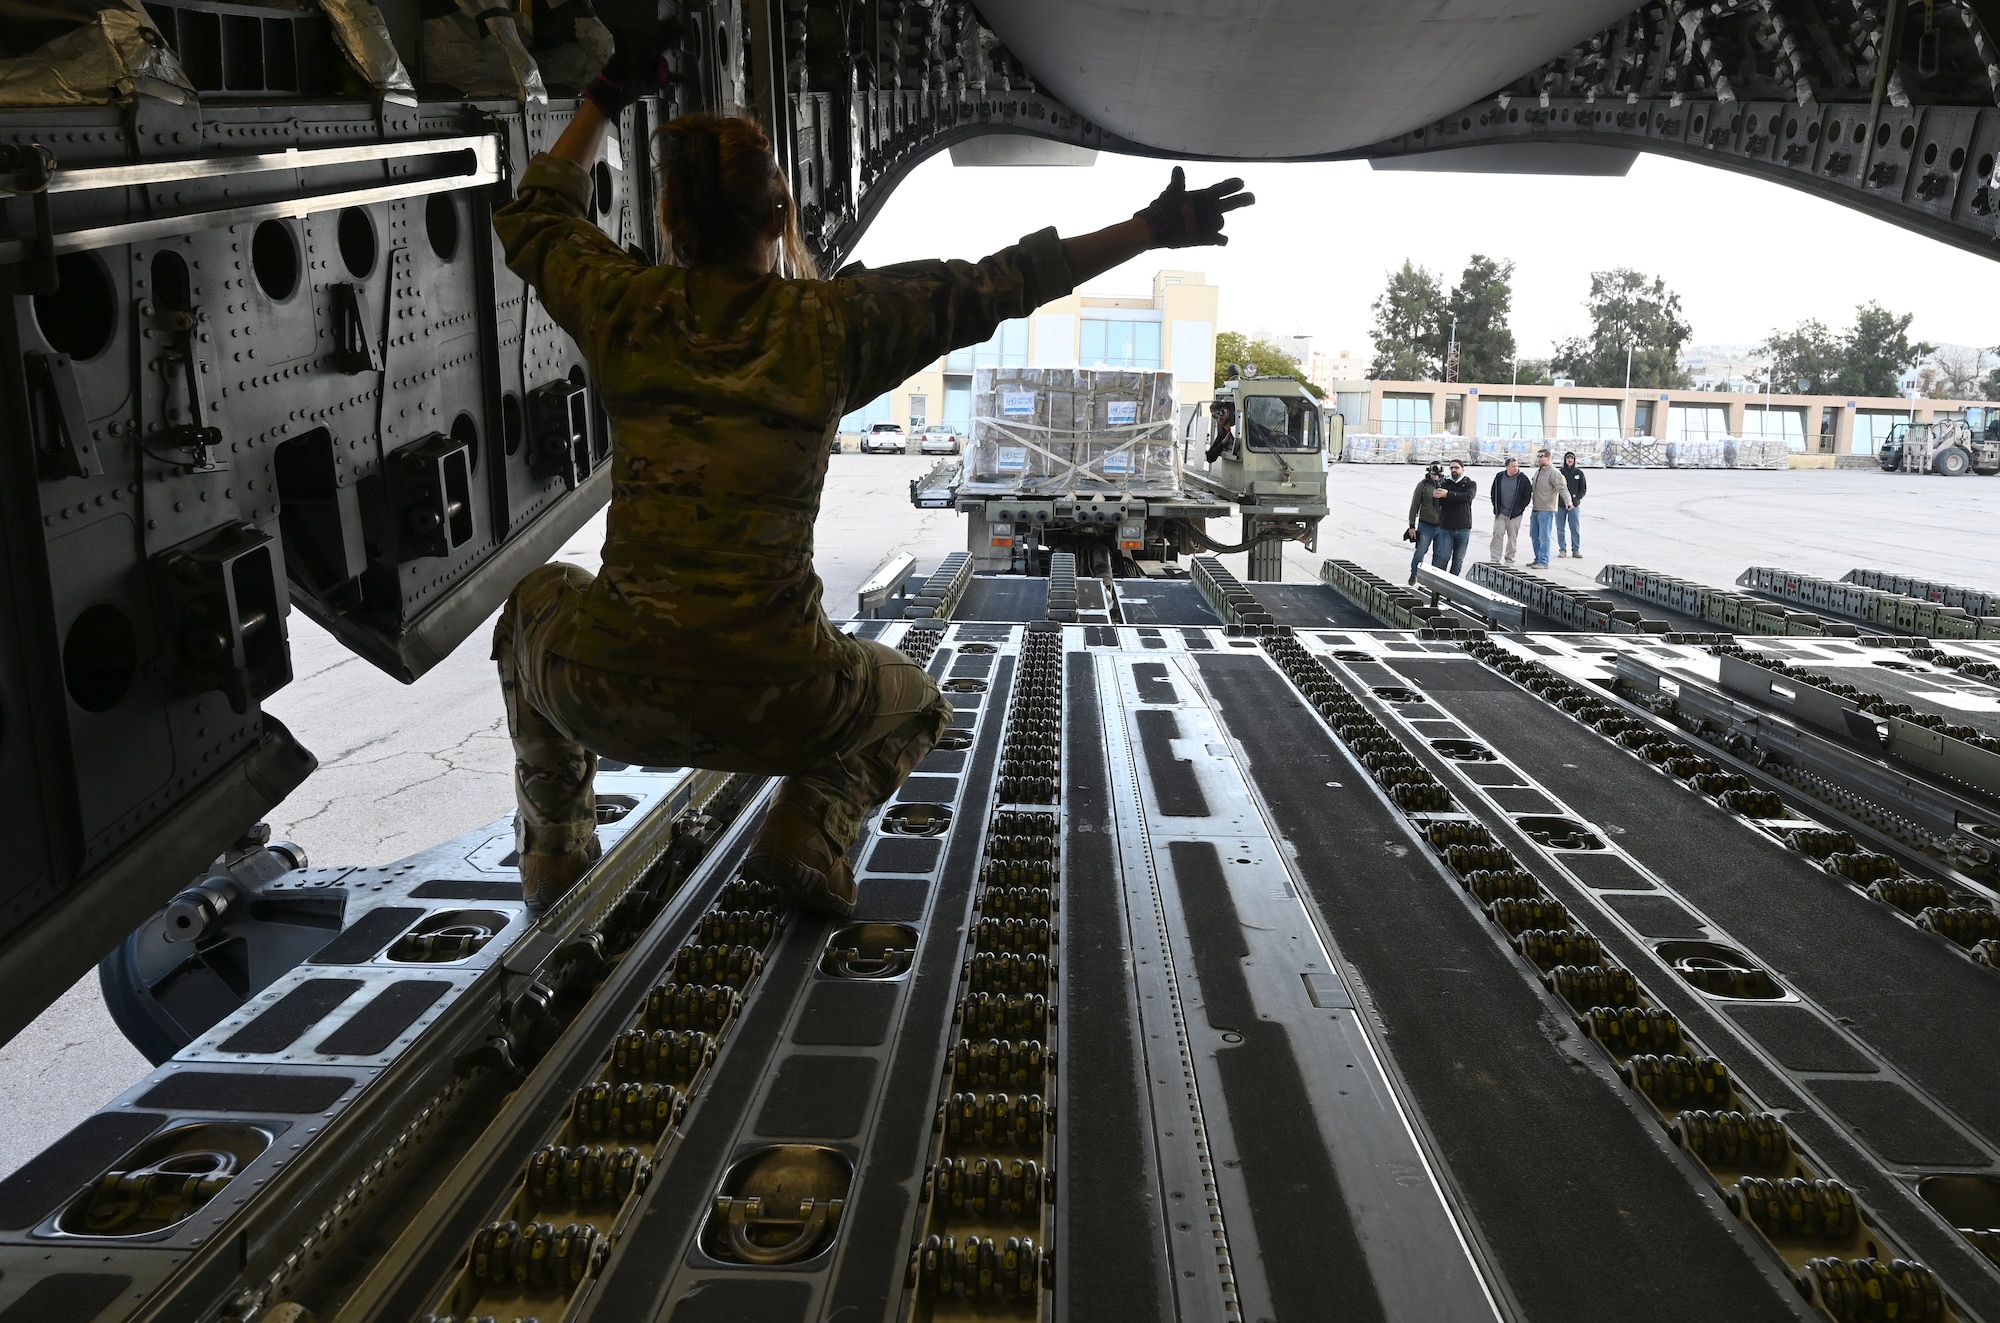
(1266, 452)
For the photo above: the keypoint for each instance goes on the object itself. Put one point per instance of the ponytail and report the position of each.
(721, 189)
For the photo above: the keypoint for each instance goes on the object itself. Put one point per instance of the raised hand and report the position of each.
(1183, 219)
(638, 68)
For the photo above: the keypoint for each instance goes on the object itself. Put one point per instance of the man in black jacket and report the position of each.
(1423, 528)
(1454, 519)
(1569, 532)
(1511, 493)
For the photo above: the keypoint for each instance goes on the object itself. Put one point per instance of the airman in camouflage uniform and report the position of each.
(702, 642)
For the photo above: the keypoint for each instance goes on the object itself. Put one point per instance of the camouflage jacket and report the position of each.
(724, 387)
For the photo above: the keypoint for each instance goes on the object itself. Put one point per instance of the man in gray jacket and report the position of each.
(1550, 494)
(1511, 493)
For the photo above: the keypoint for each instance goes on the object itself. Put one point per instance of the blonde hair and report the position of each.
(721, 188)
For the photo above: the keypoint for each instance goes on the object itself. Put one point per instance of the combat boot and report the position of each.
(802, 887)
(547, 878)
(795, 852)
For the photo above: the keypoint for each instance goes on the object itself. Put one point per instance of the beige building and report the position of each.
(1171, 328)
(1809, 424)
(1331, 367)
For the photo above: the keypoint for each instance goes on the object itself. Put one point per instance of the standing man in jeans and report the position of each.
(1424, 515)
(1551, 494)
(1511, 494)
(1569, 530)
(1455, 519)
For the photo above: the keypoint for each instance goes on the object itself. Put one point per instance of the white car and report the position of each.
(884, 439)
(939, 439)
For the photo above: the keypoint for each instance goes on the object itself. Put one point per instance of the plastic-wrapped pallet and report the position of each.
(1375, 448)
(1776, 454)
(1074, 429)
(1497, 450)
(1693, 454)
(1440, 448)
(1589, 451)
(1633, 452)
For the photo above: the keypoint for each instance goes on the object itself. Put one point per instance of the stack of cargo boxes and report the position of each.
(1062, 430)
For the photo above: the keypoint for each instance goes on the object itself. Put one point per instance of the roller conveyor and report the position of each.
(1201, 972)
(1855, 960)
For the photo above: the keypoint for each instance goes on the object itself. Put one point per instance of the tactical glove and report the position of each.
(638, 68)
(1180, 219)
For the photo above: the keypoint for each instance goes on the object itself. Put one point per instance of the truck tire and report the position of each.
(1952, 462)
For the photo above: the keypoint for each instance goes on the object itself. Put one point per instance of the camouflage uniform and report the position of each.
(702, 641)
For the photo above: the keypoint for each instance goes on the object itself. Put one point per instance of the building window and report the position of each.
(1118, 344)
(1353, 406)
(1588, 420)
(875, 411)
(1406, 415)
(1697, 422)
(1008, 347)
(919, 412)
(1511, 420)
(958, 401)
(1776, 424)
(1872, 428)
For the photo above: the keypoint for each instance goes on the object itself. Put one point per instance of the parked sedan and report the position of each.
(884, 439)
(939, 439)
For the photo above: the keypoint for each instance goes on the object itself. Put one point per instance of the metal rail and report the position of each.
(1491, 606)
(480, 165)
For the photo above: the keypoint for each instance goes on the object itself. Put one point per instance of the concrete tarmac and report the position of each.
(403, 767)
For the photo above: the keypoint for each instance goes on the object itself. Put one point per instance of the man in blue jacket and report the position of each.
(1511, 493)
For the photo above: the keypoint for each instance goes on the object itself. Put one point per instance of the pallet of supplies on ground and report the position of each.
(1375, 448)
(1589, 451)
(1074, 429)
(1694, 454)
(1762, 454)
(1497, 450)
(1632, 452)
(1440, 448)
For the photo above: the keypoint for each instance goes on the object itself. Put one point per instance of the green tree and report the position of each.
(1865, 359)
(1627, 310)
(1481, 304)
(1808, 359)
(1233, 348)
(1879, 350)
(1408, 343)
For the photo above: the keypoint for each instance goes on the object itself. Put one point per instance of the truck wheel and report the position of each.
(1952, 462)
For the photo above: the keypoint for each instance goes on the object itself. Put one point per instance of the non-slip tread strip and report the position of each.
(1580, 1202)
(1106, 1123)
(1308, 1261)
(1904, 994)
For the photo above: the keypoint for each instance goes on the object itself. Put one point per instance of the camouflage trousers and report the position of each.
(843, 742)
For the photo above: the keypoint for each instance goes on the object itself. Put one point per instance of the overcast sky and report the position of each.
(1745, 256)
